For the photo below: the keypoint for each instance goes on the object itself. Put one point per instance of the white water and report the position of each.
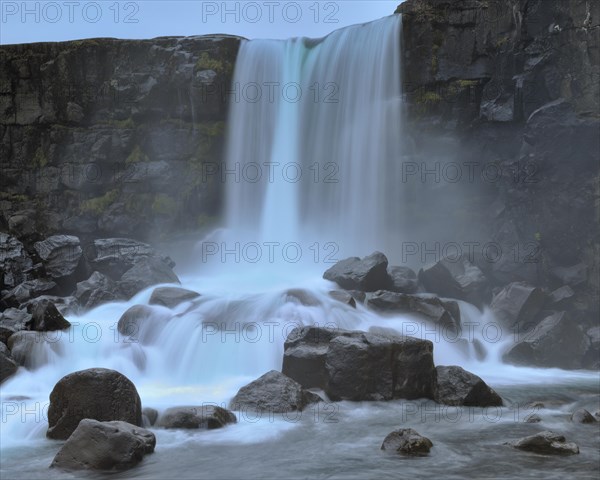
(204, 351)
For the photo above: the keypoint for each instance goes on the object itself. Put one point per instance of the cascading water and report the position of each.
(319, 169)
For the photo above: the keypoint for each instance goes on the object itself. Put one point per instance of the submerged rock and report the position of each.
(170, 297)
(344, 297)
(273, 392)
(202, 417)
(546, 443)
(367, 274)
(532, 418)
(95, 445)
(582, 416)
(407, 441)
(33, 349)
(130, 322)
(456, 386)
(95, 393)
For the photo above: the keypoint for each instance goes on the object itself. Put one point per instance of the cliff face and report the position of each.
(515, 84)
(109, 137)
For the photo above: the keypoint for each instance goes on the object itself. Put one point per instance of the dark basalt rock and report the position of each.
(8, 366)
(149, 416)
(12, 320)
(145, 273)
(27, 290)
(582, 416)
(107, 446)
(14, 261)
(344, 297)
(403, 280)
(94, 291)
(407, 441)
(273, 392)
(95, 393)
(170, 297)
(46, 317)
(131, 321)
(367, 274)
(456, 386)
(60, 254)
(203, 417)
(546, 443)
(518, 304)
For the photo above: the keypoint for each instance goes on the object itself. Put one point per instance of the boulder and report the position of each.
(561, 295)
(456, 386)
(582, 416)
(34, 349)
(406, 441)
(12, 320)
(402, 280)
(65, 305)
(353, 365)
(170, 297)
(95, 393)
(98, 445)
(302, 296)
(518, 304)
(456, 278)
(442, 312)
(367, 275)
(14, 261)
(572, 276)
(555, 342)
(97, 289)
(8, 366)
(343, 296)
(60, 254)
(532, 418)
(591, 358)
(46, 317)
(203, 417)
(130, 322)
(273, 392)
(27, 290)
(546, 443)
(145, 273)
(149, 416)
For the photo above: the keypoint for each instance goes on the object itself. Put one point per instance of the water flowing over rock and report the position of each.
(344, 297)
(33, 349)
(130, 322)
(273, 392)
(98, 445)
(8, 366)
(367, 274)
(149, 415)
(456, 386)
(205, 417)
(582, 416)
(60, 254)
(546, 443)
(145, 273)
(96, 393)
(352, 365)
(407, 441)
(170, 297)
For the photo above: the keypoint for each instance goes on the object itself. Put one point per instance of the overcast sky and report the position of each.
(43, 21)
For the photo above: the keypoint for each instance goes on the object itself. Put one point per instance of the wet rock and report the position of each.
(149, 416)
(518, 304)
(582, 416)
(456, 278)
(407, 441)
(12, 320)
(170, 297)
(145, 273)
(532, 418)
(555, 342)
(130, 322)
(442, 312)
(8, 366)
(344, 297)
(456, 386)
(546, 443)
(46, 317)
(273, 392)
(95, 393)
(60, 254)
(403, 280)
(367, 274)
(352, 365)
(13, 262)
(98, 445)
(96, 290)
(302, 297)
(27, 290)
(203, 417)
(65, 305)
(34, 349)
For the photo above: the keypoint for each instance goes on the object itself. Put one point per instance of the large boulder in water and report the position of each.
(170, 297)
(407, 441)
(546, 443)
(555, 342)
(46, 317)
(353, 365)
(402, 280)
(582, 416)
(344, 297)
(96, 393)
(456, 386)
(202, 417)
(367, 274)
(60, 254)
(273, 392)
(8, 366)
(98, 445)
(145, 273)
(518, 304)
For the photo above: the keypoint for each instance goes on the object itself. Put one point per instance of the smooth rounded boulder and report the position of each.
(206, 417)
(96, 393)
(546, 443)
(105, 446)
(582, 416)
(406, 441)
(456, 386)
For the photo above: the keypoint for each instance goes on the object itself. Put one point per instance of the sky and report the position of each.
(48, 21)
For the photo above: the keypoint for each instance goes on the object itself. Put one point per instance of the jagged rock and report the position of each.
(444, 313)
(204, 417)
(95, 393)
(518, 304)
(367, 274)
(96, 290)
(591, 359)
(456, 278)
(145, 273)
(65, 305)
(573, 275)
(456, 386)
(555, 342)
(343, 296)
(582, 416)
(273, 392)
(98, 445)
(12, 320)
(60, 254)
(149, 416)
(14, 261)
(407, 441)
(561, 294)
(27, 290)
(403, 280)
(546, 443)
(46, 317)
(352, 365)
(170, 297)
(8, 366)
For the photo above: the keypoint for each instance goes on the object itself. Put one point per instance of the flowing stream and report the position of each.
(315, 140)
